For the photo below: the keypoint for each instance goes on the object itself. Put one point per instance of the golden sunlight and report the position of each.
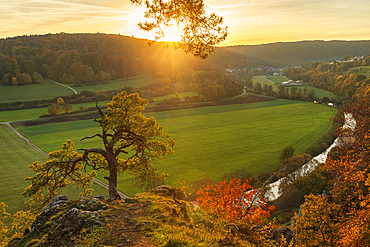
(171, 34)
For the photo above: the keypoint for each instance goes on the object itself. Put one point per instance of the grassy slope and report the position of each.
(136, 82)
(212, 141)
(45, 90)
(49, 90)
(15, 156)
(364, 70)
(278, 79)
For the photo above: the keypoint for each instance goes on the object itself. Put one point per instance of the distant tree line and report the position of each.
(280, 55)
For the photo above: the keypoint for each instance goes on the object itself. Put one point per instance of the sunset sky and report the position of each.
(249, 21)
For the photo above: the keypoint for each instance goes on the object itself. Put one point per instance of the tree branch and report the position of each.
(90, 137)
(99, 110)
(258, 191)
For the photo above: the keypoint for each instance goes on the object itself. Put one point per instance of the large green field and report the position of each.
(49, 90)
(320, 93)
(213, 141)
(15, 156)
(45, 90)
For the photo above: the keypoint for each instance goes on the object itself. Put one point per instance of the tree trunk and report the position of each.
(113, 193)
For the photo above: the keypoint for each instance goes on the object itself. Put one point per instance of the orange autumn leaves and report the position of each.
(349, 168)
(235, 200)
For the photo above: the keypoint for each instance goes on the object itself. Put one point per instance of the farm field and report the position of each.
(45, 90)
(277, 78)
(48, 89)
(212, 141)
(17, 115)
(135, 81)
(182, 96)
(320, 93)
(15, 156)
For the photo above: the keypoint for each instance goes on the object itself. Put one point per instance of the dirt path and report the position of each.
(74, 91)
(101, 183)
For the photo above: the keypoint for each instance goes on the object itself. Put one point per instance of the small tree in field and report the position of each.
(235, 201)
(54, 109)
(287, 152)
(131, 141)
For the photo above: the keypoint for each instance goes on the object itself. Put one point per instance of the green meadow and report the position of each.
(49, 90)
(135, 81)
(320, 93)
(276, 78)
(15, 157)
(364, 70)
(45, 90)
(18, 115)
(182, 96)
(212, 141)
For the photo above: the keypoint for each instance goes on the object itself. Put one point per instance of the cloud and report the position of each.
(335, 32)
(248, 20)
(43, 16)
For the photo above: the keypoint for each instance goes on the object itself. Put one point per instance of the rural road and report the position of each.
(101, 183)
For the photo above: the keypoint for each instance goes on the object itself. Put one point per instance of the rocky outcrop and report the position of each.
(165, 190)
(62, 220)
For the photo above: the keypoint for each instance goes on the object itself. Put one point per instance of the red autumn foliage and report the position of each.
(235, 200)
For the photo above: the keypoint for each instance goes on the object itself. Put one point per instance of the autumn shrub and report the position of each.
(235, 200)
(291, 198)
(313, 182)
(319, 223)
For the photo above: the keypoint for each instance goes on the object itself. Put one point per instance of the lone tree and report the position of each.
(199, 32)
(287, 152)
(131, 141)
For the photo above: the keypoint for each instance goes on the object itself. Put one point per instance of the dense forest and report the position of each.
(296, 53)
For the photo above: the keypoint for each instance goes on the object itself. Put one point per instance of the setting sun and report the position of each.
(171, 34)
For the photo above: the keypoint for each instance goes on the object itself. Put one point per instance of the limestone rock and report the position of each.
(165, 190)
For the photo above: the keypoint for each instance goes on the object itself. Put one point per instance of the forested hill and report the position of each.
(74, 58)
(296, 53)
(80, 58)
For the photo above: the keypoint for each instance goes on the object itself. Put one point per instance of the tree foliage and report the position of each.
(235, 200)
(4, 230)
(319, 224)
(55, 174)
(287, 152)
(55, 109)
(131, 141)
(343, 218)
(22, 220)
(199, 32)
